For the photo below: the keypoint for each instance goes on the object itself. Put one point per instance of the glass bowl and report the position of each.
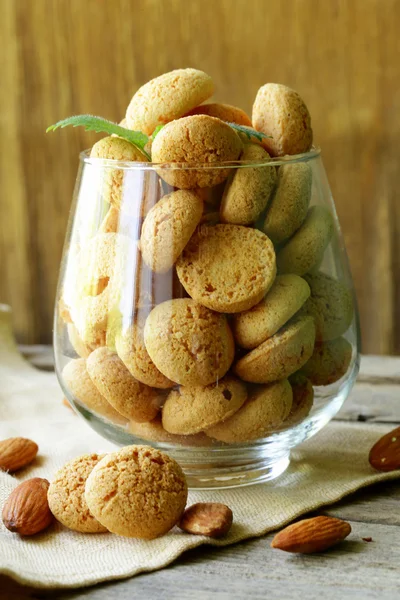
(217, 323)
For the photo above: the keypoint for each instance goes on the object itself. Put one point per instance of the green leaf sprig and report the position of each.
(100, 125)
(249, 131)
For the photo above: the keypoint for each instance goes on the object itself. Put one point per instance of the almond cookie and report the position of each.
(303, 398)
(110, 222)
(227, 268)
(116, 148)
(197, 139)
(132, 399)
(289, 204)
(225, 112)
(279, 112)
(330, 304)
(168, 227)
(188, 343)
(306, 248)
(329, 362)
(66, 495)
(265, 410)
(192, 409)
(132, 351)
(78, 382)
(153, 431)
(281, 355)
(247, 192)
(83, 350)
(167, 98)
(148, 491)
(284, 299)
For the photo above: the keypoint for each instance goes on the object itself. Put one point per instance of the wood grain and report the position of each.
(68, 56)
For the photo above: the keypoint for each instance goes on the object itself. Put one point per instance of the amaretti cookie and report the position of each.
(167, 98)
(153, 431)
(128, 396)
(168, 227)
(280, 113)
(329, 361)
(66, 495)
(330, 304)
(76, 378)
(288, 206)
(115, 148)
(306, 247)
(247, 192)
(148, 491)
(110, 222)
(191, 409)
(265, 411)
(287, 295)
(225, 112)
(189, 343)
(227, 268)
(83, 350)
(281, 355)
(191, 140)
(132, 351)
(303, 398)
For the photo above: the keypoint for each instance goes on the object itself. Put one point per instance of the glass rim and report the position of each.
(312, 154)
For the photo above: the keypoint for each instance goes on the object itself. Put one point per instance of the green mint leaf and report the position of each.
(156, 131)
(100, 125)
(249, 132)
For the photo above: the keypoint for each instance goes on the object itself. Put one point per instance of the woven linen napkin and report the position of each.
(322, 471)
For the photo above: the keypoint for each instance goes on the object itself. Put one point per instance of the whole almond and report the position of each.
(385, 454)
(207, 518)
(16, 453)
(26, 510)
(311, 535)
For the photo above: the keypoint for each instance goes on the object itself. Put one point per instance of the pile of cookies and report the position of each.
(199, 312)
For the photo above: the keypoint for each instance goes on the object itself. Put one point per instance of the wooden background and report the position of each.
(60, 57)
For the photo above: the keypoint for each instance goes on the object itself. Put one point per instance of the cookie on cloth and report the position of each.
(137, 492)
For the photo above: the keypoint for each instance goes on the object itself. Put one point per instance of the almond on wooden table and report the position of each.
(26, 510)
(385, 454)
(311, 535)
(212, 519)
(16, 453)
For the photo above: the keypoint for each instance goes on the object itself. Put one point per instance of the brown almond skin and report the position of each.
(311, 535)
(385, 454)
(16, 453)
(26, 510)
(212, 519)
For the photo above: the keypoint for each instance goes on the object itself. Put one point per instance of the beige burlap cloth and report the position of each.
(323, 470)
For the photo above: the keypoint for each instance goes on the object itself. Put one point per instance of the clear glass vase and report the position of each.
(207, 311)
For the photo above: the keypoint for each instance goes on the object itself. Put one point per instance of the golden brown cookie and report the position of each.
(191, 409)
(330, 305)
(289, 204)
(188, 343)
(83, 350)
(329, 362)
(227, 268)
(225, 112)
(307, 246)
(286, 296)
(132, 399)
(303, 398)
(197, 139)
(132, 351)
(265, 410)
(110, 222)
(281, 355)
(279, 112)
(79, 384)
(137, 491)
(167, 98)
(168, 227)
(153, 431)
(66, 495)
(116, 148)
(248, 189)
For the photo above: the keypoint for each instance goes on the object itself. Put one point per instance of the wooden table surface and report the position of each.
(354, 570)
